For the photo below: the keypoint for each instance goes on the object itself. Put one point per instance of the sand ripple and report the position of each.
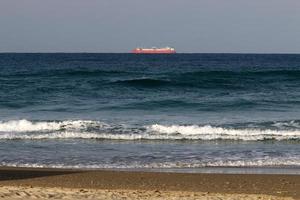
(13, 192)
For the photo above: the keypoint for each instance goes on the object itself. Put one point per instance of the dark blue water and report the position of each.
(149, 111)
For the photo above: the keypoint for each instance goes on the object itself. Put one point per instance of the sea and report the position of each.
(150, 112)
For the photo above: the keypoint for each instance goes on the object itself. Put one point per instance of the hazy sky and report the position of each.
(258, 26)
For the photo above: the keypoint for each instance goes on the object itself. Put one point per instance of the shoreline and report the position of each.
(277, 185)
(286, 170)
(267, 170)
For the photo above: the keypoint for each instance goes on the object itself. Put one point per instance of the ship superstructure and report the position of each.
(154, 50)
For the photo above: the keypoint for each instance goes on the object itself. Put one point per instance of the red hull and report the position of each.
(153, 51)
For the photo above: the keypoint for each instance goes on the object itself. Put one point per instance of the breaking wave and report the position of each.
(87, 129)
(29, 126)
(208, 132)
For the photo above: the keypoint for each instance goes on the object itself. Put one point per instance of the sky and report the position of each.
(190, 26)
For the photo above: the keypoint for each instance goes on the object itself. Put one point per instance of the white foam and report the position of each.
(259, 162)
(212, 133)
(28, 126)
(74, 135)
(85, 129)
(292, 123)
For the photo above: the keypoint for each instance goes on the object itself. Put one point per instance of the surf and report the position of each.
(89, 129)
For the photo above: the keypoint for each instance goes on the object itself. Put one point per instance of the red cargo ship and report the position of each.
(154, 50)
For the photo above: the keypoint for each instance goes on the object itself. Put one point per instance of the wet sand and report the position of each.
(101, 184)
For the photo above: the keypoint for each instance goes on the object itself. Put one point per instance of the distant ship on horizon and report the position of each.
(154, 50)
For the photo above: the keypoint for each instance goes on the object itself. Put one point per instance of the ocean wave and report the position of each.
(287, 124)
(234, 80)
(208, 132)
(209, 79)
(85, 129)
(31, 126)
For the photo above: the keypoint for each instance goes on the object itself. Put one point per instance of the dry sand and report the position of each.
(26, 183)
(12, 192)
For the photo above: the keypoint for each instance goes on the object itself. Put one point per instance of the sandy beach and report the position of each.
(29, 183)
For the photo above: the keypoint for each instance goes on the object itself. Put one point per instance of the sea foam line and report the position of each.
(85, 129)
(211, 133)
(258, 162)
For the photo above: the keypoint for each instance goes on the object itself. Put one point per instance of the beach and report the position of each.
(33, 183)
(140, 100)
